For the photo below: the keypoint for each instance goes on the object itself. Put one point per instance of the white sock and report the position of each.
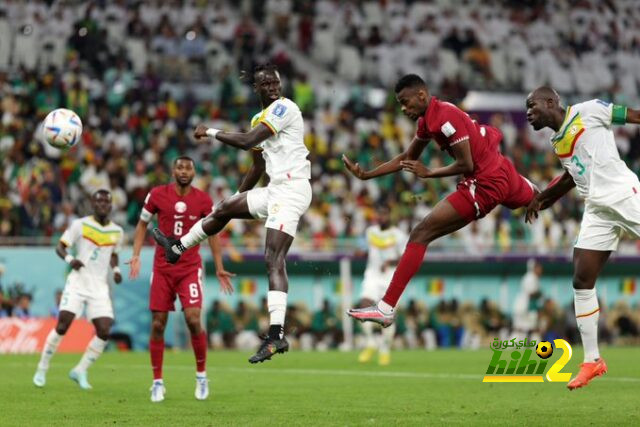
(202, 374)
(384, 307)
(277, 302)
(195, 235)
(587, 315)
(387, 338)
(369, 338)
(50, 346)
(94, 350)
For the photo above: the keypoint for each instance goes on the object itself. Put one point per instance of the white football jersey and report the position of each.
(384, 245)
(284, 153)
(94, 244)
(586, 146)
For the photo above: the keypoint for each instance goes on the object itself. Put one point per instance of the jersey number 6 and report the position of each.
(177, 228)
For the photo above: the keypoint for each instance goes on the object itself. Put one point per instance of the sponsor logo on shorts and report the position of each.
(193, 301)
(275, 208)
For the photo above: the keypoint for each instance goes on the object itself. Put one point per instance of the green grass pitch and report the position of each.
(330, 388)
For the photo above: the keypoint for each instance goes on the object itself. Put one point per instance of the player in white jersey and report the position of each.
(585, 144)
(385, 244)
(97, 242)
(277, 143)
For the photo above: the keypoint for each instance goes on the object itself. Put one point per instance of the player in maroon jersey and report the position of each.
(178, 206)
(489, 179)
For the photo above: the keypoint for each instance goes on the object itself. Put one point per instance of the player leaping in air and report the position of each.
(585, 144)
(489, 179)
(276, 141)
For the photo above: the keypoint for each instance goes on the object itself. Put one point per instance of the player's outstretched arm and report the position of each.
(61, 250)
(633, 116)
(255, 173)
(138, 239)
(243, 141)
(117, 275)
(394, 165)
(224, 277)
(463, 164)
(557, 188)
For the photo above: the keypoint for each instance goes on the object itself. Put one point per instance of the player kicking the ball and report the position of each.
(97, 242)
(490, 179)
(178, 206)
(276, 141)
(585, 145)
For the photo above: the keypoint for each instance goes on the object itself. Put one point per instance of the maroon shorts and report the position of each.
(477, 196)
(165, 285)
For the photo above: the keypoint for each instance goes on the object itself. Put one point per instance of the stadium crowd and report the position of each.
(142, 74)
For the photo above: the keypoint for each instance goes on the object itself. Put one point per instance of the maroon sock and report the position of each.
(408, 266)
(156, 349)
(199, 344)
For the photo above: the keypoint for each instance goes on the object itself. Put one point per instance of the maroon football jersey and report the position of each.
(448, 125)
(176, 215)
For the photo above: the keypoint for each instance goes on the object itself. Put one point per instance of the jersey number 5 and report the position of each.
(177, 228)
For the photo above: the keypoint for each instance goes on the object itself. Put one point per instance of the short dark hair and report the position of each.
(267, 67)
(101, 191)
(175, 162)
(410, 80)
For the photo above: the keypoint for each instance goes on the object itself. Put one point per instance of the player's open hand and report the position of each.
(76, 264)
(354, 168)
(415, 167)
(532, 210)
(224, 277)
(200, 132)
(134, 267)
(117, 277)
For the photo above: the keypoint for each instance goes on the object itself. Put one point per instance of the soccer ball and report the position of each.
(62, 128)
(544, 349)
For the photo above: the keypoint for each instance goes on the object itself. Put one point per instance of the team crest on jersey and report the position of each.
(279, 110)
(181, 207)
(275, 208)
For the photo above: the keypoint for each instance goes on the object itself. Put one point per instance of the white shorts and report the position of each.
(95, 297)
(282, 204)
(375, 284)
(602, 226)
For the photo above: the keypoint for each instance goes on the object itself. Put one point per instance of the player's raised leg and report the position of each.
(65, 318)
(156, 351)
(277, 246)
(587, 266)
(443, 220)
(94, 350)
(233, 207)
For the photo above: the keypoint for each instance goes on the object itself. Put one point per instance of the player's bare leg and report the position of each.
(156, 351)
(233, 207)
(443, 220)
(276, 248)
(94, 350)
(65, 318)
(587, 265)
(199, 345)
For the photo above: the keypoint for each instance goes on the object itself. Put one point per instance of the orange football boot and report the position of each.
(588, 371)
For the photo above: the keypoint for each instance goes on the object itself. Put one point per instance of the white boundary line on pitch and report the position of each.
(334, 372)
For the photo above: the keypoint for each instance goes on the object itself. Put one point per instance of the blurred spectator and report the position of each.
(220, 327)
(325, 327)
(21, 308)
(54, 311)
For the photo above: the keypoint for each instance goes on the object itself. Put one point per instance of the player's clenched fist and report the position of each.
(200, 132)
(76, 264)
(355, 169)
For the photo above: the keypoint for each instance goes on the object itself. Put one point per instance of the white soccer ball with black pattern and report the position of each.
(62, 128)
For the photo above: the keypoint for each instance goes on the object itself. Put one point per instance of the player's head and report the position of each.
(101, 204)
(541, 105)
(266, 83)
(384, 217)
(413, 95)
(184, 170)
